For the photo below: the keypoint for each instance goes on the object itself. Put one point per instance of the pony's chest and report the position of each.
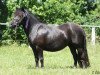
(38, 37)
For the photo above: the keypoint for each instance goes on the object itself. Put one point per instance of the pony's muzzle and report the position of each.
(13, 25)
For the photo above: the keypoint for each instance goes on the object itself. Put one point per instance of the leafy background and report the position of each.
(83, 12)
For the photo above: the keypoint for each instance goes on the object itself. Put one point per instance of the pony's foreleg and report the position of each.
(40, 55)
(36, 58)
(74, 53)
(35, 54)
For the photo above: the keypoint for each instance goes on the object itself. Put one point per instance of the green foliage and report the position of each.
(56, 11)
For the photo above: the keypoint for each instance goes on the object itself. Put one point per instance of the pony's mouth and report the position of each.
(13, 26)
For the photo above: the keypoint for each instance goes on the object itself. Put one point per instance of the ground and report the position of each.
(19, 60)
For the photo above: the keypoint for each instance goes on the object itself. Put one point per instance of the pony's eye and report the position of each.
(17, 20)
(20, 15)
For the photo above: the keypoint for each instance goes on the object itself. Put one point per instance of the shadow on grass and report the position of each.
(52, 67)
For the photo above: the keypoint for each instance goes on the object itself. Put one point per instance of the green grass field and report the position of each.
(19, 60)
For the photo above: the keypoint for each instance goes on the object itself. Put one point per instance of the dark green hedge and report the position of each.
(82, 12)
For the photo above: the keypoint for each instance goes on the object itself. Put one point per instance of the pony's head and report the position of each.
(19, 15)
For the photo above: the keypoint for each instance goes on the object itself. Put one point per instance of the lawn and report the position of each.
(19, 60)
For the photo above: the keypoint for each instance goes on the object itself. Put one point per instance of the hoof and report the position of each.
(74, 67)
(37, 67)
(42, 67)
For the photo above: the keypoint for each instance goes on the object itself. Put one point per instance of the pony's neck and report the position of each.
(28, 22)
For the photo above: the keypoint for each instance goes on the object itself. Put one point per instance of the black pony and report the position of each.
(52, 38)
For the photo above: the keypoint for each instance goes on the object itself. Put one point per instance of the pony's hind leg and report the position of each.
(74, 53)
(82, 58)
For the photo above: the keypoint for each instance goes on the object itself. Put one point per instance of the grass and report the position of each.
(19, 60)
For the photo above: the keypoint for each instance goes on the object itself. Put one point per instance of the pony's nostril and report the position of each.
(11, 23)
(12, 26)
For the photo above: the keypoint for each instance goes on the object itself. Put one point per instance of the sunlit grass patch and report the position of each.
(19, 60)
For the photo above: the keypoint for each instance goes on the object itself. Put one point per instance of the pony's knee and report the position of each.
(41, 58)
(36, 59)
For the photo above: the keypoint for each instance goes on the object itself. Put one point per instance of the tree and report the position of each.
(3, 11)
(53, 11)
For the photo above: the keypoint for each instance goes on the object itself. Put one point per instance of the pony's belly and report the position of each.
(54, 47)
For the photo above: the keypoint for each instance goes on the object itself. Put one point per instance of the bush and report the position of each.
(56, 11)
